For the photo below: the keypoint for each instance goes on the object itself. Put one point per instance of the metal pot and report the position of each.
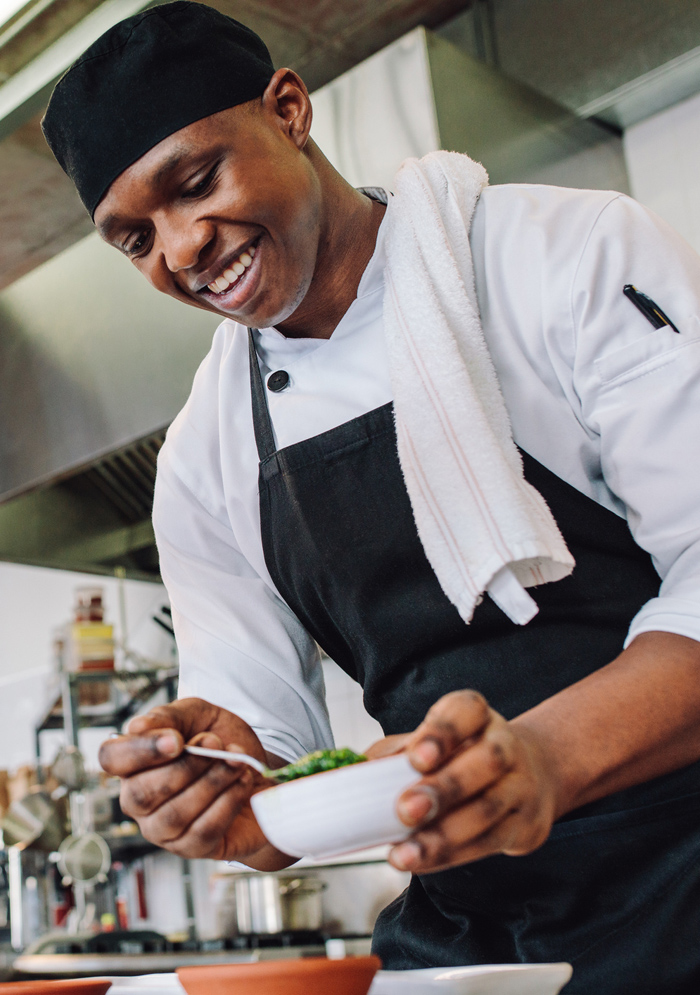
(35, 820)
(267, 904)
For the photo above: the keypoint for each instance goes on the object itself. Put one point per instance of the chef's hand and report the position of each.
(487, 787)
(190, 805)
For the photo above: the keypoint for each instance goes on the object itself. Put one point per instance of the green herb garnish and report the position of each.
(314, 763)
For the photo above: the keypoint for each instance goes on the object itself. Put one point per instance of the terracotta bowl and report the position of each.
(306, 976)
(85, 986)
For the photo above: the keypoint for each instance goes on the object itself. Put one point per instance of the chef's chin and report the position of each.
(268, 313)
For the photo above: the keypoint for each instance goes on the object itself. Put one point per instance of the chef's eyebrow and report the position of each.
(108, 228)
(169, 166)
(113, 222)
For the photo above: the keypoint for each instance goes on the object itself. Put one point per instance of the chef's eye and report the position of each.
(203, 185)
(137, 245)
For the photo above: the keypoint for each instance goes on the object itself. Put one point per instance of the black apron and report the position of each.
(616, 888)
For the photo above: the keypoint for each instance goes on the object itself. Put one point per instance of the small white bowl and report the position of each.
(337, 811)
(480, 979)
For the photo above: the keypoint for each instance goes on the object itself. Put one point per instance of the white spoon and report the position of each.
(243, 758)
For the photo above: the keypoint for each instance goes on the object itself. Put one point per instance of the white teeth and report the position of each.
(231, 275)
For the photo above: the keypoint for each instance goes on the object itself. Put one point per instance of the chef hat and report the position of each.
(143, 80)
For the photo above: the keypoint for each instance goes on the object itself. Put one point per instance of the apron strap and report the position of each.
(262, 423)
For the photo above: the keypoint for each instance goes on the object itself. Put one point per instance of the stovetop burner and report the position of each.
(289, 938)
(149, 942)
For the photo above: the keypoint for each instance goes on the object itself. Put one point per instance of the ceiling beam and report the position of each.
(27, 91)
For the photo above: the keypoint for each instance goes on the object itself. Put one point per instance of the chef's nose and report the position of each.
(183, 245)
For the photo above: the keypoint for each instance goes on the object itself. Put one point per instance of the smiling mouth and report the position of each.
(233, 272)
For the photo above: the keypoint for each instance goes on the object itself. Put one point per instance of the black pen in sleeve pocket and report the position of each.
(649, 308)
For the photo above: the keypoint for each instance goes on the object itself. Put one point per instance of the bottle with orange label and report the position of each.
(92, 643)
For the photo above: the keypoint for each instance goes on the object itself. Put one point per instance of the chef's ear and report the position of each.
(287, 98)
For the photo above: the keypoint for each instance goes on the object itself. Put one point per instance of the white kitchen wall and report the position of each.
(370, 119)
(663, 162)
(351, 724)
(34, 601)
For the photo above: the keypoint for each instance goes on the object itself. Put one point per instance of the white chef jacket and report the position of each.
(594, 393)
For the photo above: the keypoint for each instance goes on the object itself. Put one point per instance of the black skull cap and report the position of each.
(144, 79)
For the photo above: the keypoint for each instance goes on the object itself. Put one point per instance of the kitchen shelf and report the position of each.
(130, 689)
(127, 847)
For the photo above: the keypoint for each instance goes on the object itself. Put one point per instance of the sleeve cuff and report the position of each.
(678, 615)
(286, 747)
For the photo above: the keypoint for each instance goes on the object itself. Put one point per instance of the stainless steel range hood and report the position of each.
(91, 520)
(94, 364)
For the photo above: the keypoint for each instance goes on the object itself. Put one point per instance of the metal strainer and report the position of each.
(84, 858)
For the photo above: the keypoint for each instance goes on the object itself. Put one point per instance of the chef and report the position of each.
(419, 412)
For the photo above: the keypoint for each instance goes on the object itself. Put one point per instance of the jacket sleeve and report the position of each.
(239, 645)
(639, 391)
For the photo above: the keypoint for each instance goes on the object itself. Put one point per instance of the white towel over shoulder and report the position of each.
(483, 527)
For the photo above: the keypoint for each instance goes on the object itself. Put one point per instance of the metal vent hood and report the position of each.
(94, 364)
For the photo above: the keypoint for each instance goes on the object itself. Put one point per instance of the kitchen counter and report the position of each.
(509, 979)
(86, 965)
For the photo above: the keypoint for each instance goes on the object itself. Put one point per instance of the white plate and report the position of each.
(147, 984)
(484, 979)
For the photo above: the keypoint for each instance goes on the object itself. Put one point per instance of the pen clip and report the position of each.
(649, 308)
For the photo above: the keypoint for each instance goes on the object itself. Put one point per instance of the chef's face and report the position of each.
(225, 214)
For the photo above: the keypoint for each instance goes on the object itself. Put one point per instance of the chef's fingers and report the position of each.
(502, 820)
(160, 735)
(452, 722)
(188, 715)
(126, 755)
(225, 830)
(464, 776)
(145, 790)
(157, 737)
(174, 818)
(388, 746)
